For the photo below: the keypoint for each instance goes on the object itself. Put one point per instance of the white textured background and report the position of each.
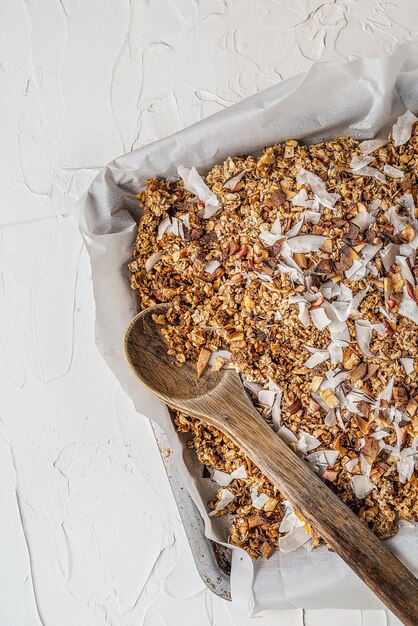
(89, 533)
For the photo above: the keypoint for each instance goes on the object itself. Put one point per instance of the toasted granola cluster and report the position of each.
(297, 268)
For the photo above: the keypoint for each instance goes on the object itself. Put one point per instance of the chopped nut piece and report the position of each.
(329, 398)
(202, 361)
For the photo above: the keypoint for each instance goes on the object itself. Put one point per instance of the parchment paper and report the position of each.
(362, 98)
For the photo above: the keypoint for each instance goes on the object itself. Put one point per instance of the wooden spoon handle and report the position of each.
(391, 581)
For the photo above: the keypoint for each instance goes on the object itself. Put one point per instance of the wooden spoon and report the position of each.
(220, 399)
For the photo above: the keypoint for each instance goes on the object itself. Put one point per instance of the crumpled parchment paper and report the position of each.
(362, 98)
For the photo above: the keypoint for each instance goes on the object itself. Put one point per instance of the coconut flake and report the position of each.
(362, 486)
(380, 434)
(295, 230)
(405, 269)
(408, 307)
(258, 501)
(317, 185)
(371, 172)
(402, 130)
(301, 199)
(306, 243)
(253, 387)
(311, 217)
(364, 336)
(266, 397)
(363, 220)
(232, 182)
(294, 539)
(162, 226)
(370, 145)
(396, 220)
(319, 318)
(407, 364)
(406, 463)
(318, 356)
(388, 255)
(393, 172)
(407, 202)
(152, 260)
(307, 442)
(209, 211)
(194, 183)
(226, 498)
(222, 478)
(351, 465)
(357, 163)
(287, 435)
(211, 266)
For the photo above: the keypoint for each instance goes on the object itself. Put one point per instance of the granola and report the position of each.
(297, 268)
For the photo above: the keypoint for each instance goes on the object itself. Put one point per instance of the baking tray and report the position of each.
(213, 560)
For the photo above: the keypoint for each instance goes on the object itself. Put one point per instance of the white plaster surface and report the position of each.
(89, 532)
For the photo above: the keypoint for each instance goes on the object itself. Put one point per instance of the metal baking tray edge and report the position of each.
(213, 561)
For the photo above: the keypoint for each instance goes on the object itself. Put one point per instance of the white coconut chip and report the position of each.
(370, 145)
(363, 220)
(194, 183)
(351, 464)
(396, 220)
(287, 435)
(211, 266)
(152, 260)
(226, 498)
(303, 314)
(388, 255)
(385, 394)
(364, 331)
(276, 410)
(311, 217)
(301, 199)
(318, 188)
(330, 418)
(361, 486)
(406, 463)
(209, 211)
(380, 434)
(335, 353)
(258, 501)
(407, 202)
(392, 172)
(307, 442)
(365, 465)
(221, 478)
(162, 227)
(266, 397)
(305, 243)
(405, 269)
(407, 364)
(319, 356)
(323, 458)
(255, 388)
(294, 540)
(402, 130)
(295, 230)
(232, 182)
(371, 172)
(369, 251)
(319, 318)
(408, 307)
(357, 163)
